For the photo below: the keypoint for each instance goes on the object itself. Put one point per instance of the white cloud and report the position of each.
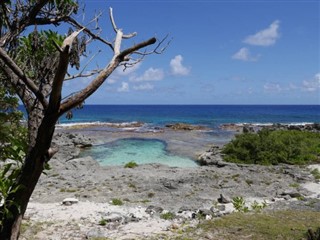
(143, 87)
(244, 55)
(152, 74)
(265, 37)
(111, 80)
(272, 87)
(124, 87)
(177, 68)
(312, 85)
(292, 86)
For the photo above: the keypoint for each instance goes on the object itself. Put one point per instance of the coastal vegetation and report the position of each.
(316, 173)
(272, 147)
(131, 164)
(12, 132)
(116, 202)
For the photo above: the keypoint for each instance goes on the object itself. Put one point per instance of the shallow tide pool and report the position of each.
(141, 151)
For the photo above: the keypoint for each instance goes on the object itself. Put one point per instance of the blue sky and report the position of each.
(222, 52)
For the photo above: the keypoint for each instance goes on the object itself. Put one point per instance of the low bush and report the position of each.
(131, 164)
(116, 202)
(167, 216)
(273, 147)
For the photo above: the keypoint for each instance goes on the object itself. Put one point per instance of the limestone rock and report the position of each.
(70, 201)
(223, 199)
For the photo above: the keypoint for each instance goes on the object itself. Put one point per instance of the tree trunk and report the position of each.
(30, 173)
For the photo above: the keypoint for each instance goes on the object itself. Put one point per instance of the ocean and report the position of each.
(211, 116)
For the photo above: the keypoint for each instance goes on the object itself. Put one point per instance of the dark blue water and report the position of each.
(209, 115)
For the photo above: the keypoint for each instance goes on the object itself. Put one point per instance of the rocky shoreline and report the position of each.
(154, 198)
(250, 127)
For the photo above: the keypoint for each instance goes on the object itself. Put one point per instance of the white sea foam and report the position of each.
(119, 126)
(65, 125)
(271, 124)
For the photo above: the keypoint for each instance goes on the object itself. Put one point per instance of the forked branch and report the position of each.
(55, 96)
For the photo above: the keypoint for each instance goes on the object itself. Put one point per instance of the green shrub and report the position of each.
(102, 222)
(316, 173)
(273, 147)
(167, 216)
(116, 202)
(131, 164)
(239, 204)
(257, 207)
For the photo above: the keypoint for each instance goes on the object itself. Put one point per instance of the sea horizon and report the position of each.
(211, 116)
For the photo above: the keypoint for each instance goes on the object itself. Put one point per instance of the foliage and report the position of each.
(116, 202)
(12, 146)
(273, 147)
(313, 235)
(257, 207)
(103, 222)
(239, 204)
(131, 164)
(12, 133)
(167, 216)
(37, 55)
(8, 175)
(316, 173)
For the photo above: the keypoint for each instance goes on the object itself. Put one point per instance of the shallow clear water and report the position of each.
(141, 151)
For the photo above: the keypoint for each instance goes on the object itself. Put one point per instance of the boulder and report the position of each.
(154, 209)
(223, 199)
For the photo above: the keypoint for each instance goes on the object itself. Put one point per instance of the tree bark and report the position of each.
(30, 173)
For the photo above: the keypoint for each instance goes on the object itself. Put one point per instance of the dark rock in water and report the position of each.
(223, 199)
(185, 127)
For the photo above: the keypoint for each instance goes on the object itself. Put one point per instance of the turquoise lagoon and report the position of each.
(141, 151)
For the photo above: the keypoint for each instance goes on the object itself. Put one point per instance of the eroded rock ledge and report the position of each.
(185, 127)
(248, 127)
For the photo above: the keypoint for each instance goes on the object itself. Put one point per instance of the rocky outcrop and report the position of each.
(213, 156)
(185, 127)
(247, 127)
(69, 145)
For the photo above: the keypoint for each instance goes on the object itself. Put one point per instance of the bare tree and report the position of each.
(38, 80)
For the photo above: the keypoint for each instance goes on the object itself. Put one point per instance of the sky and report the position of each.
(220, 52)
